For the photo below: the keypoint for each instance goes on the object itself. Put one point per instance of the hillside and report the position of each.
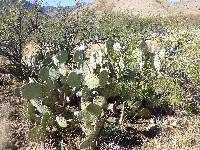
(147, 7)
(191, 7)
(135, 7)
(190, 4)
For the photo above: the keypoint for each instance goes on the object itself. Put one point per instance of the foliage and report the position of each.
(144, 63)
(18, 24)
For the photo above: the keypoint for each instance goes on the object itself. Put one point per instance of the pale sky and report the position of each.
(61, 2)
(173, 1)
(72, 2)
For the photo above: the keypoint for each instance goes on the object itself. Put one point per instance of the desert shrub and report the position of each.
(18, 24)
(146, 62)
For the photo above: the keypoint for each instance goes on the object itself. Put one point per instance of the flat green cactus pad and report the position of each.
(44, 73)
(85, 116)
(78, 56)
(88, 142)
(38, 105)
(47, 119)
(94, 109)
(85, 94)
(62, 56)
(33, 90)
(144, 113)
(100, 101)
(103, 78)
(74, 80)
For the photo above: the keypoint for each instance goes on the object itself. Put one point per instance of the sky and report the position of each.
(71, 2)
(173, 1)
(60, 2)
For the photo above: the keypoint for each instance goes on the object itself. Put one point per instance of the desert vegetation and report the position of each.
(81, 80)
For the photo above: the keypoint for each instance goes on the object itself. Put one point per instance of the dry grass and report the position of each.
(5, 130)
(178, 133)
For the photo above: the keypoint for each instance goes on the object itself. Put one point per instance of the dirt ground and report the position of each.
(4, 125)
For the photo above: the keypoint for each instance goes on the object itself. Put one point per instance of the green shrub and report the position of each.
(71, 89)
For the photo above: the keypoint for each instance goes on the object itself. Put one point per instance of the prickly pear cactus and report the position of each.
(92, 121)
(33, 90)
(59, 81)
(62, 57)
(45, 94)
(44, 73)
(103, 78)
(62, 122)
(54, 73)
(74, 80)
(91, 81)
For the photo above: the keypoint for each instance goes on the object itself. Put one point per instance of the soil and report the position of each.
(4, 125)
(12, 121)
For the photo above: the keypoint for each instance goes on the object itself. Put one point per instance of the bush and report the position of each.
(18, 24)
(145, 63)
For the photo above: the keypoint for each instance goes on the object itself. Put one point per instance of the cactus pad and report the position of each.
(62, 122)
(44, 73)
(33, 90)
(94, 109)
(92, 81)
(74, 80)
(62, 57)
(103, 78)
(54, 73)
(89, 142)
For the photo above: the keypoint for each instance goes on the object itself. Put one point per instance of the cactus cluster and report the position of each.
(86, 84)
(50, 94)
